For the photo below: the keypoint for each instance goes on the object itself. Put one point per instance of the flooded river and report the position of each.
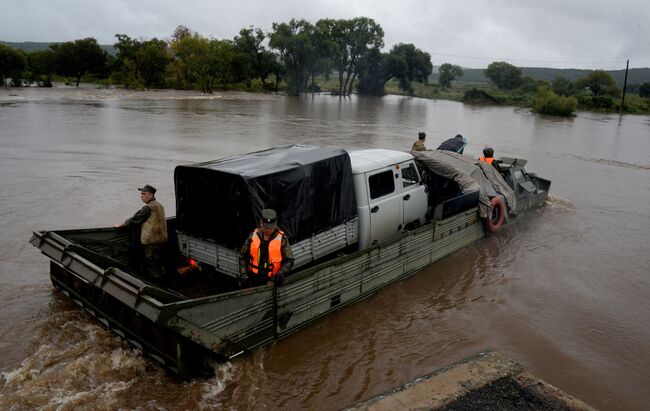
(564, 291)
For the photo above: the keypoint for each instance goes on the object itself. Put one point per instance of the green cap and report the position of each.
(148, 189)
(269, 218)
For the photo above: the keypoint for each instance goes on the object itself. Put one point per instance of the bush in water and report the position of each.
(547, 102)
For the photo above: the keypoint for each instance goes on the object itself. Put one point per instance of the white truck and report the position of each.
(386, 184)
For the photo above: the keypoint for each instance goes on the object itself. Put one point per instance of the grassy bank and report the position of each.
(459, 91)
(634, 104)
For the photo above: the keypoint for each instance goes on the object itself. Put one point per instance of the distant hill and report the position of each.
(30, 46)
(634, 76)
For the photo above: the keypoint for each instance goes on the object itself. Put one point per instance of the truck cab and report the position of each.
(389, 192)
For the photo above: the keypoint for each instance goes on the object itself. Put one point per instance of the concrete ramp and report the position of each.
(486, 381)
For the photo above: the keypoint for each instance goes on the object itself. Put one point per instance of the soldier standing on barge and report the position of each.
(266, 254)
(153, 231)
(419, 143)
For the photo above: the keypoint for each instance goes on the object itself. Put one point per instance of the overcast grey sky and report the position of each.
(472, 33)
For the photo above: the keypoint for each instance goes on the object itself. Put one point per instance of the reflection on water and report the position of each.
(563, 290)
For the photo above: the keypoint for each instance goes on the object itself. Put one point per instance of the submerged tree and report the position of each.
(42, 65)
(78, 58)
(151, 62)
(250, 44)
(293, 41)
(13, 64)
(376, 69)
(142, 63)
(418, 65)
(405, 62)
(352, 39)
(206, 61)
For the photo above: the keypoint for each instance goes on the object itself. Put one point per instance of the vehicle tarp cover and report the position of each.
(470, 174)
(310, 188)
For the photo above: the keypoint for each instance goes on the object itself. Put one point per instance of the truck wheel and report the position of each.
(496, 215)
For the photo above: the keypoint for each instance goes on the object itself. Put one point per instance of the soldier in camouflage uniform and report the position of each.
(266, 256)
(419, 144)
(153, 231)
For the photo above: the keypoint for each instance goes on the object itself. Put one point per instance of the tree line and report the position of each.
(296, 56)
(597, 90)
(294, 53)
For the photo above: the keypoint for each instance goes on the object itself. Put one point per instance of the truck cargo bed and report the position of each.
(226, 260)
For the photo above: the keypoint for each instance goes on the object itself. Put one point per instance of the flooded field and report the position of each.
(564, 291)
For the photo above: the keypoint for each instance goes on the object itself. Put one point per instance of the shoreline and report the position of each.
(263, 95)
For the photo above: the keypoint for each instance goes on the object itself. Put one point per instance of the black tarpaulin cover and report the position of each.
(310, 188)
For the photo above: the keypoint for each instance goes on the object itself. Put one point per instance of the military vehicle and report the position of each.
(357, 220)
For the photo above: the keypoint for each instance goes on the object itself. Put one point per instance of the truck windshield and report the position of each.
(409, 175)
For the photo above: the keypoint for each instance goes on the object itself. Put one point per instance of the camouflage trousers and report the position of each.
(153, 255)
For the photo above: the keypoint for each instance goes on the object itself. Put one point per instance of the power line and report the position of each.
(529, 61)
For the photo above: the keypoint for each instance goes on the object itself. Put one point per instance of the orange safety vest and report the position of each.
(488, 160)
(275, 254)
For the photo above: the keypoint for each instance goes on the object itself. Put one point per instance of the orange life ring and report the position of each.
(496, 215)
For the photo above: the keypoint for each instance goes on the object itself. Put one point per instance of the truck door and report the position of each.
(385, 204)
(414, 196)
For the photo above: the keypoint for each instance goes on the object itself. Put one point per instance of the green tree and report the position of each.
(448, 73)
(13, 64)
(324, 50)
(376, 69)
(251, 45)
(181, 32)
(42, 64)
(503, 75)
(205, 61)
(563, 86)
(176, 67)
(142, 64)
(293, 41)
(351, 41)
(528, 85)
(194, 53)
(405, 62)
(644, 90)
(151, 61)
(279, 71)
(600, 83)
(78, 58)
(224, 54)
(126, 50)
(418, 65)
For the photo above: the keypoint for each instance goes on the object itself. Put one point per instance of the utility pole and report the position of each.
(627, 65)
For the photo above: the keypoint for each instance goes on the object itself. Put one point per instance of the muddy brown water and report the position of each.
(564, 291)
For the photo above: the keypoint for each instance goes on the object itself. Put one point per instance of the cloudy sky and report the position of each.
(471, 33)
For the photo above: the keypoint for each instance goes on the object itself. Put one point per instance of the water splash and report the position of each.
(223, 373)
(80, 364)
(558, 203)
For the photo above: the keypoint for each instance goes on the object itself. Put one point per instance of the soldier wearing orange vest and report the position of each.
(488, 155)
(266, 254)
